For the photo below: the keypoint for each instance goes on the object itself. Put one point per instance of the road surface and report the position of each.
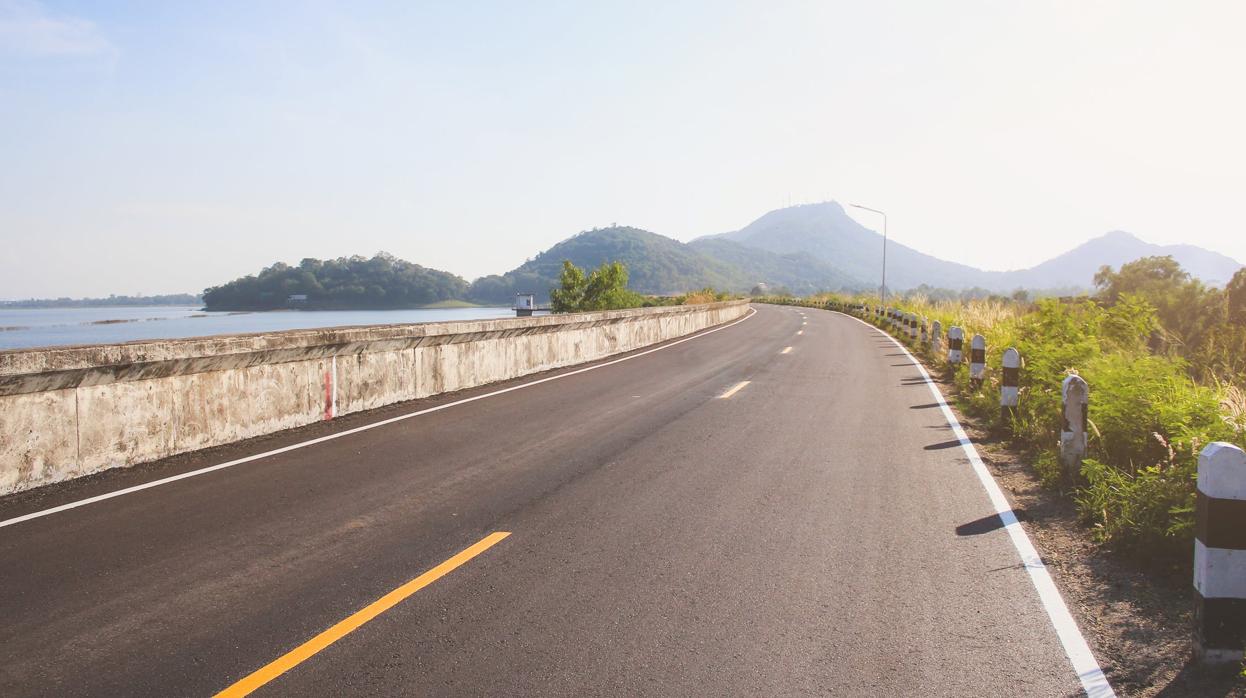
(818, 530)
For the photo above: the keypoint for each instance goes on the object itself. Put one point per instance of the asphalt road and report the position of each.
(817, 532)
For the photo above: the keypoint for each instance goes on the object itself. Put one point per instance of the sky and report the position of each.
(163, 147)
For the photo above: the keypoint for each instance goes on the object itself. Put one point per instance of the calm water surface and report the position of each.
(45, 327)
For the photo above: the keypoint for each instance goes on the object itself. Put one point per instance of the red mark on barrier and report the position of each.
(328, 395)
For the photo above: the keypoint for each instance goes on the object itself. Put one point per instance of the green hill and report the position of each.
(799, 272)
(655, 265)
(348, 283)
(662, 266)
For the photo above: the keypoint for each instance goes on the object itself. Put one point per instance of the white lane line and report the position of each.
(786, 351)
(734, 389)
(800, 332)
(356, 430)
(1075, 647)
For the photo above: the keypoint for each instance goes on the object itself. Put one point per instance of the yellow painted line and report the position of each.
(785, 351)
(734, 389)
(303, 652)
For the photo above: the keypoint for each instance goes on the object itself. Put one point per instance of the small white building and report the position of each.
(525, 304)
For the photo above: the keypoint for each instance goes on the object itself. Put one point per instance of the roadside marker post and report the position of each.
(925, 332)
(977, 360)
(936, 341)
(955, 345)
(1220, 555)
(1009, 389)
(1075, 414)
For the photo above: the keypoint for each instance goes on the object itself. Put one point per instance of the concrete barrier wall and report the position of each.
(68, 412)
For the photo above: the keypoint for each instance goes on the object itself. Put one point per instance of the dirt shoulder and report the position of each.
(1136, 618)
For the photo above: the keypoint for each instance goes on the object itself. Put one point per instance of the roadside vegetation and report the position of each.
(605, 288)
(1165, 358)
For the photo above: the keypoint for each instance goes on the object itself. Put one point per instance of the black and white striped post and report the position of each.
(936, 340)
(1075, 413)
(1009, 389)
(1220, 555)
(955, 344)
(911, 319)
(977, 359)
(925, 333)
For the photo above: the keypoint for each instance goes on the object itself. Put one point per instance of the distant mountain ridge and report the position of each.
(663, 266)
(1077, 267)
(804, 249)
(827, 233)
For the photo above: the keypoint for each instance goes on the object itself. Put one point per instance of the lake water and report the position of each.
(45, 327)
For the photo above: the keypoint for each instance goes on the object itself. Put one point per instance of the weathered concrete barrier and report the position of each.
(71, 411)
(1220, 555)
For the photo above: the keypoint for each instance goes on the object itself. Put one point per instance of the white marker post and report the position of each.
(913, 326)
(955, 344)
(1075, 396)
(924, 332)
(936, 340)
(1220, 555)
(1009, 389)
(977, 359)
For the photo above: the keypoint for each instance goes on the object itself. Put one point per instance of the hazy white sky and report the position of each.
(163, 147)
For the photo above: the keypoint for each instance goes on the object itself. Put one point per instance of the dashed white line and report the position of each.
(786, 351)
(734, 389)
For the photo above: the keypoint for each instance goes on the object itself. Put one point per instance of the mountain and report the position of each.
(825, 232)
(661, 265)
(1077, 267)
(800, 272)
(828, 235)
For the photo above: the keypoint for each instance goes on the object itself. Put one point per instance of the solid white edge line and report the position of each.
(1094, 682)
(311, 442)
(733, 390)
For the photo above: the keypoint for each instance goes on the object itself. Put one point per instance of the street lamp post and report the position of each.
(882, 291)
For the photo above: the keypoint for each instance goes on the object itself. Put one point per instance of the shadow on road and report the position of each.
(942, 445)
(926, 406)
(986, 524)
